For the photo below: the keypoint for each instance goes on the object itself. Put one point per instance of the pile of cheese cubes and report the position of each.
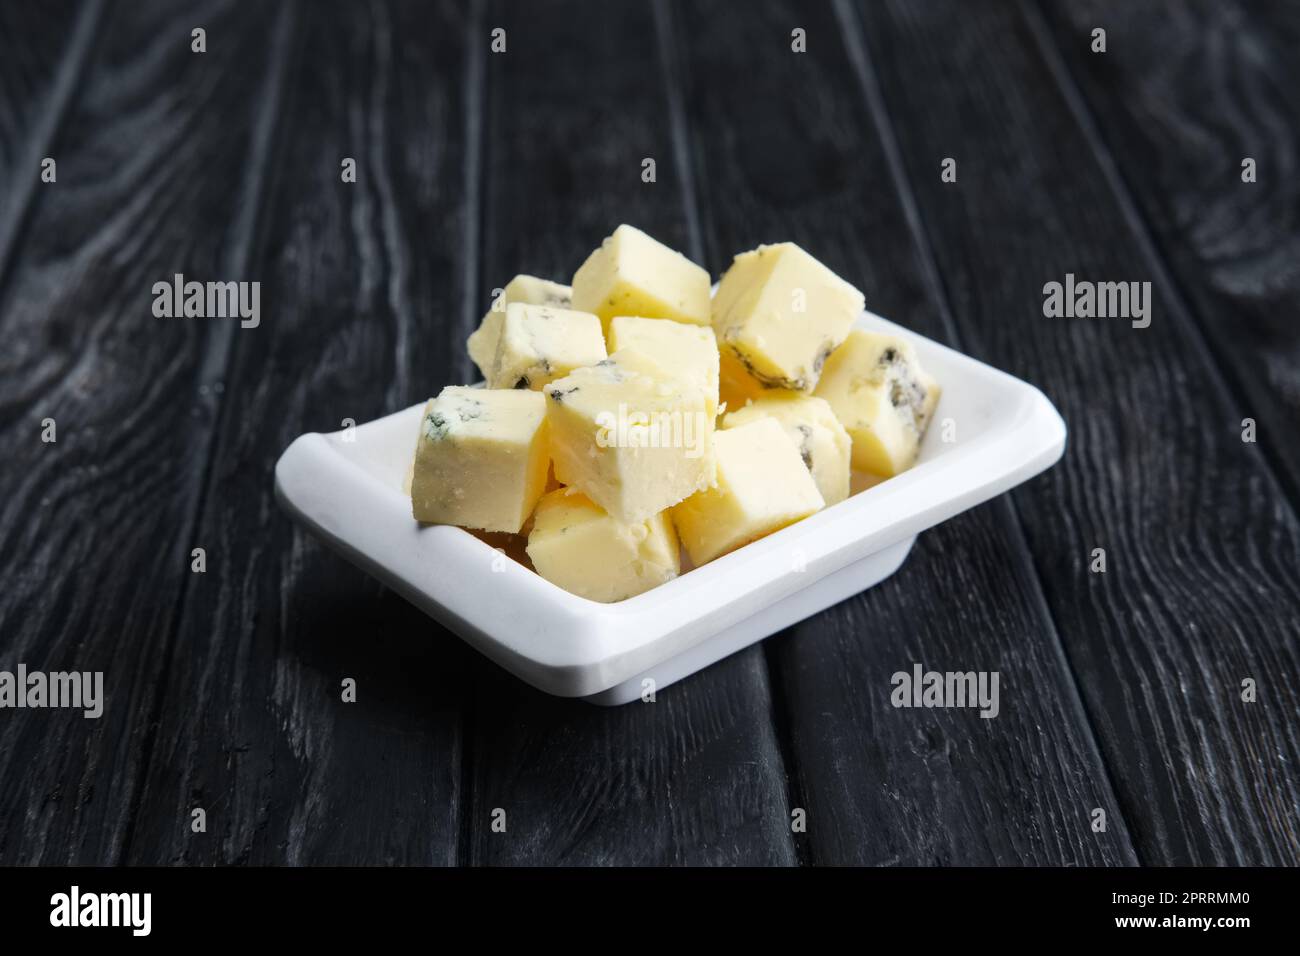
(598, 434)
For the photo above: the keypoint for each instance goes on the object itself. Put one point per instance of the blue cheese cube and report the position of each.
(689, 352)
(530, 290)
(575, 544)
(539, 343)
(883, 397)
(630, 436)
(481, 458)
(634, 274)
(762, 487)
(778, 315)
(810, 422)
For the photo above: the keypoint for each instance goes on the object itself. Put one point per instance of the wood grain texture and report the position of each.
(93, 528)
(789, 152)
(1183, 94)
(361, 287)
(36, 38)
(1202, 588)
(46, 46)
(695, 777)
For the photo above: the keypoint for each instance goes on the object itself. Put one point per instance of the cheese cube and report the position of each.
(633, 274)
(883, 398)
(539, 343)
(689, 352)
(811, 423)
(481, 457)
(779, 312)
(762, 487)
(629, 436)
(530, 290)
(576, 545)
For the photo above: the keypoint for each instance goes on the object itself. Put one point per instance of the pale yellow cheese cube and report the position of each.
(779, 312)
(540, 343)
(530, 290)
(883, 398)
(576, 545)
(811, 423)
(481, 458)
(762, 487)
(633, 274)
(689, 352)
(630, 436)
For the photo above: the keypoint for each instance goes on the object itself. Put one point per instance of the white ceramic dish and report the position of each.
(347, 488)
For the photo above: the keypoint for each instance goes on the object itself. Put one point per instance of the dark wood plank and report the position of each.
(1183, 94)
(787, 151)
(1202, 588)
(574, 107)
(362, 284)
(43, 51)
(35, 39)
(94, 529)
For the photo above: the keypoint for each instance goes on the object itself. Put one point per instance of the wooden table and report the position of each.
(1121, 691)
